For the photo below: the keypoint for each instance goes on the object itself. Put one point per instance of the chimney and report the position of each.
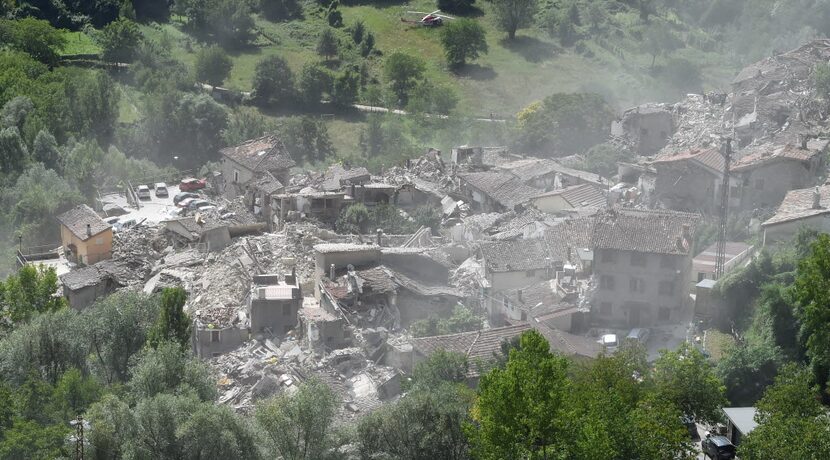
(680, 245)
(519, 296)
(380, 236)
(352, 191)
(331, 272)
(816, 198)
(88, 230)
(802, 139)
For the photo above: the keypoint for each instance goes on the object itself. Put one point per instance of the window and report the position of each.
(215, 336)
(666, 288)
(530, 273)
(637, 285)
(759, 184)
(606, 282)
(286, 310)
(663, 314)
(701, 276)
(667, 262)
(605, 309)
(235, 176)
(609, 256)
(99, 241)
(638, 259)
(734, 191)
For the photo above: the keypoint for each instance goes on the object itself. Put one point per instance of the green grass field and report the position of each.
(512, 75)
(78, 43)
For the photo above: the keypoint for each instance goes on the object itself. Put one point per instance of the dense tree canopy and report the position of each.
(565, 123)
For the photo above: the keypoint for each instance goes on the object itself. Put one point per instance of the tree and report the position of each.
(212, 65)
(659, 41)
(14, 113)
(564, 123)
(687, 379)
(455, 6)
(519, 410)
(29, 292)
(792, 423)
(315, 80)
(118, 327)
(273, 82)
(602, 159)
(403, 71)
(812, 292)
(298, 426)
(463, 39)
(170, 369)
(512, 15)
(441, 367)
(346, 88)
(327, 44)
(306, 138)
(173, 323)
(194, 128)
(34, 37)
(247, 123)
(280, 10)
(45, 150)
(358, 31)
(353, 219)
(214, 431)
(13, 152)
(425, 424)
(119, 41)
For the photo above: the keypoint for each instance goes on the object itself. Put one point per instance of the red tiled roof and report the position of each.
(798, 204)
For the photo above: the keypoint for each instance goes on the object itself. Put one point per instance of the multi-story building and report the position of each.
(642, 262)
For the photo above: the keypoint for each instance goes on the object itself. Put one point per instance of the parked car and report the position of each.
(609, 342)
(190, 184)
(196, 204)
(184, 195)
(206, 207)
(161, 189)
(185, 203)
(717, 448)
(112, 220)
(143, 192)
(639, 335)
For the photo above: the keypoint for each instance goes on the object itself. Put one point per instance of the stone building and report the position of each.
(642, 263)
(85, 237)
(241, 164)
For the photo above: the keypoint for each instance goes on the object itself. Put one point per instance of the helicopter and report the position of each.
(433, 19)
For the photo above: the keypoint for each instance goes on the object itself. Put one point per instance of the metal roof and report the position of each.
(742, 417)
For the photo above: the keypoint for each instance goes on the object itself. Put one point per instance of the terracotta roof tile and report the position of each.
(266, 153)
(77, 219)
(643, 231)
(798, 204)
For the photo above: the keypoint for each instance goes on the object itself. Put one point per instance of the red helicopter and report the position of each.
(433, 19)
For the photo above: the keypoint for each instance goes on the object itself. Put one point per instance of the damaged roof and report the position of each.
(483, 345)
(77, 219)
(266, 153)
(798, 204)
(767, 154)
(338, 176)
(266, 183)
(530, 168)
(333, 248)
(501, 187)
(514, 255)
(644, 231)
(580, 196)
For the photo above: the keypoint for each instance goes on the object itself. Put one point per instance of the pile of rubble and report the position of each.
(268, 368)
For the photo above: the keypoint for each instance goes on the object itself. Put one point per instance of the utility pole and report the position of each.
(79, 437)
(726, 152)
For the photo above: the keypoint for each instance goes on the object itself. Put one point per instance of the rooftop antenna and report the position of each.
(726, 151)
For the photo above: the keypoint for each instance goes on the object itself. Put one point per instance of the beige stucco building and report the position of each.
(85, 237)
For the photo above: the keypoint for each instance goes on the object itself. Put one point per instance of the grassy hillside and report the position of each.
(513, 73)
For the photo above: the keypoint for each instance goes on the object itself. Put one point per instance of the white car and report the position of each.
(609, 342)
(161, 189)
(143, 192)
